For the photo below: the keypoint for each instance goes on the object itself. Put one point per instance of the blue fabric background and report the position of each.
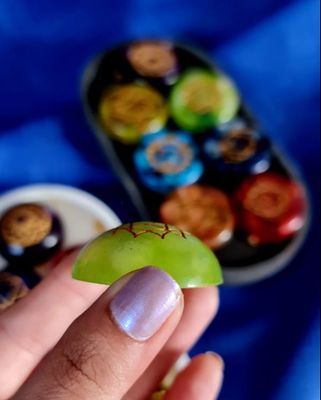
(268, 333)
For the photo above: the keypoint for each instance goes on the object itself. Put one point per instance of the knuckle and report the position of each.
(80, 363)
(85, 362)
(81, 360)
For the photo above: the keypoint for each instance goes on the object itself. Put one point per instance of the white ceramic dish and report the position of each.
(83, 215)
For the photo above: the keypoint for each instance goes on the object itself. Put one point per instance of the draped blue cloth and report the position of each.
(268, 333)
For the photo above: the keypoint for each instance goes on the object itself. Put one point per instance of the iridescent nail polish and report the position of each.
(143, 305)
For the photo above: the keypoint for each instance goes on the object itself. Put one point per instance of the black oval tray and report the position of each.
(241, 262)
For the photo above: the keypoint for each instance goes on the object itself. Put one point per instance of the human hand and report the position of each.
(74, 340)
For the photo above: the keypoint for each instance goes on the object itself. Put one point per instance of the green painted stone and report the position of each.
(134, 246)
(202, 99)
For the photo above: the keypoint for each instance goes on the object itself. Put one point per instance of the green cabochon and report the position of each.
(134, 246)
(201, 100)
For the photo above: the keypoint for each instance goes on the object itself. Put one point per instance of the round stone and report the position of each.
(127, 112)
(136, 245)
(202, 210)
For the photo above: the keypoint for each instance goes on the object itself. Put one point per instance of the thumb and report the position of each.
(107, 349)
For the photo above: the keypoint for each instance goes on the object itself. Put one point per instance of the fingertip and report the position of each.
(203, 378)
(216, 359)
(212, 364)
(203, 303)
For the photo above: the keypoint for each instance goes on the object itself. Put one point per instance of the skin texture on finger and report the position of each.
(202, 379)
(30, 328)
(201, 306)
(110, 346)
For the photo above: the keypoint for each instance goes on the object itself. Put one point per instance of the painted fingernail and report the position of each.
(142, 306)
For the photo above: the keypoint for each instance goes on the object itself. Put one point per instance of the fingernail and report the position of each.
(218, 359)
(147, 300)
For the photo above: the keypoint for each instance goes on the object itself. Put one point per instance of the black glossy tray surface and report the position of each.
(109, 69)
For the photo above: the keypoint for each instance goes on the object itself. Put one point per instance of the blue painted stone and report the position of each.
(237, 148)
(167, 160)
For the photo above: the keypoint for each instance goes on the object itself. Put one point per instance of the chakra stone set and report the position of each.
(177, 133)
(175, 128)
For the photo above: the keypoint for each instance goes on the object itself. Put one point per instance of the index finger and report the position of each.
(35, 324)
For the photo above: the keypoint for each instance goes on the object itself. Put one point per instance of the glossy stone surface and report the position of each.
(202, 210)
(272, 208)
(167, 160)
(127, 112)
(30, 234)
(203, 99)
(154, 59)
(237, 148)
(134, 246)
